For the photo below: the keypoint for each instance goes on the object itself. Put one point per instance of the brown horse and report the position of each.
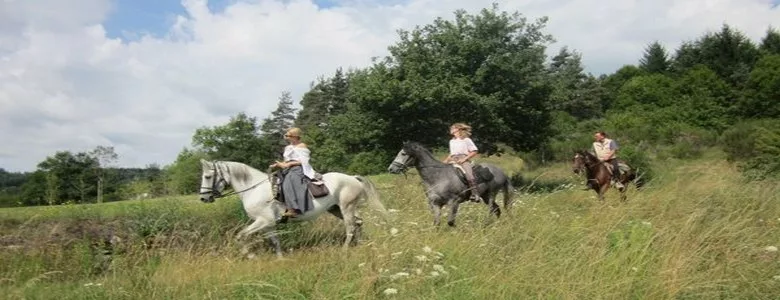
(599, 177)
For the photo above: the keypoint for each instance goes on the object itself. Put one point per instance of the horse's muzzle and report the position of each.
(395, 168)
(207, 198)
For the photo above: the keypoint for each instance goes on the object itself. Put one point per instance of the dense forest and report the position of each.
(489, 69)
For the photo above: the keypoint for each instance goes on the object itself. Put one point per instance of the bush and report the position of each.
(755, 147)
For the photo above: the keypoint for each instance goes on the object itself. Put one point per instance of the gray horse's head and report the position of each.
(403, 160)
(212, 181)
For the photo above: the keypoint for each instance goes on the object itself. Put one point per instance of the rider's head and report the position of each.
(460, 130)
(599, 136)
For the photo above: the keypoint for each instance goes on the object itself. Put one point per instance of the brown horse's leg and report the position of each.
(603, 190)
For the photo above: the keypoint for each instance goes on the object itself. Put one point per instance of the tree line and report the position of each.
(488, 69)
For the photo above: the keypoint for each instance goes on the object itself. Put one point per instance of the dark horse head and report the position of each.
(407, 157)
(598, 175)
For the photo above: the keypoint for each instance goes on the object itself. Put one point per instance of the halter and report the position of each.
(217, 194)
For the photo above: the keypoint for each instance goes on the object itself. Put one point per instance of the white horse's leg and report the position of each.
(348, 212)
(258, 225)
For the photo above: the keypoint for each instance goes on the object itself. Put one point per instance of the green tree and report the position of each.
(655, 59)
(770, 44)
(728, 52)
(485, 69)
(612, 84)
(183, 176)
(105, 156)
(275, 126)
(69, 177)
(762, 90)
(573, 91)
(238, 140)
(705, 100)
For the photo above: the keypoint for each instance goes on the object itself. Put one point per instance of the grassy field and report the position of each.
(696, 232)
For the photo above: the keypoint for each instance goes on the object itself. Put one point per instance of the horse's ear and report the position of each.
(205, 163)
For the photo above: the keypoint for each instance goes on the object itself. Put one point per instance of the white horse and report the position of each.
(254, 189)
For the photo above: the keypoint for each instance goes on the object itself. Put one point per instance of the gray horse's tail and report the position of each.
(372, 196)
(508, 194)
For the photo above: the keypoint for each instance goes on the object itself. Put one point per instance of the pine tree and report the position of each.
(770, 44)
(655, 59)
(275, 126)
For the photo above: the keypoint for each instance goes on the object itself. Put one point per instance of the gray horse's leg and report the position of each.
(453, 212)
(492, 206)
(436, 210)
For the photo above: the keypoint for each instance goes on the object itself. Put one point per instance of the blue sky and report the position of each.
(156, 16)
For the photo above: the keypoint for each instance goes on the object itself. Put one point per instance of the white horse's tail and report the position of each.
(372, 196)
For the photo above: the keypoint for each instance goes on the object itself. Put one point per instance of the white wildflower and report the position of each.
(634, 269)
(421, 257)
(440, 269)
(393, 210)
(393, 231)
(427, 249)
(418, 271)
(434, 273)
(390, 291)
(646, 223)
(399, 275)
(360, 265)
(770, 249)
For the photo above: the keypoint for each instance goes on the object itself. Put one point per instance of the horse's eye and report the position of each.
(207, 176)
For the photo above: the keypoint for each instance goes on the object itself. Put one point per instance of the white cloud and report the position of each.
(65, 86)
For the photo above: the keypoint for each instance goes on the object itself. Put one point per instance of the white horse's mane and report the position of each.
(240, 172)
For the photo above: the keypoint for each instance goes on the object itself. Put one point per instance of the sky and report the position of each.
(143, 75)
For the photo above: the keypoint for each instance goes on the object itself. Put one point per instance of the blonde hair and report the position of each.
(294, 132)
(464, 129)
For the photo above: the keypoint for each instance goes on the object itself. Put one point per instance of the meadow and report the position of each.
(697, 231)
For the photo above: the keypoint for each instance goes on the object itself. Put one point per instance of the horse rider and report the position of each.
(462, 150)
(606, 151)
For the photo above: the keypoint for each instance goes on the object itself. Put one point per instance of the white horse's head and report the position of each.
(213, 181)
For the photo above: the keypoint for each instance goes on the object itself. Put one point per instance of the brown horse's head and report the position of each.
(582, 159)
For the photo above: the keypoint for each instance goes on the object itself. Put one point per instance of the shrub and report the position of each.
(755, 147)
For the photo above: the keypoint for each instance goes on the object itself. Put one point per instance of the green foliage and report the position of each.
(655, 59)
(573, 92)
(728, 52)
(274, 127)
(184, 175)
(238, 140)
(770, 44)
(485, 69)
(755, 147)
(762, 94)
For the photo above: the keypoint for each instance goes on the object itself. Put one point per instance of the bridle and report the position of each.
(220, 178)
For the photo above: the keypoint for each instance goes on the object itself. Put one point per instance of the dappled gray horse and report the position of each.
(446, 185)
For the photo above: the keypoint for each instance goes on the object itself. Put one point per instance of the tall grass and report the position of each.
(696, 233)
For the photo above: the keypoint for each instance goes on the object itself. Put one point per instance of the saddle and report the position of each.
(624, 168)
(317, 186)
(481, 174)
